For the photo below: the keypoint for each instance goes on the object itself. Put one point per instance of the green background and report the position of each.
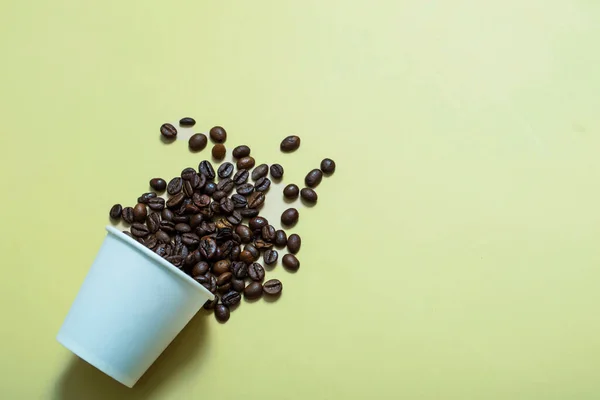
(453, 255)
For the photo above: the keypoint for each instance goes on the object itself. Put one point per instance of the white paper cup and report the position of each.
(131, 305)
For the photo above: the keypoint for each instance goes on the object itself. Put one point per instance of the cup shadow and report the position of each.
(80, 380)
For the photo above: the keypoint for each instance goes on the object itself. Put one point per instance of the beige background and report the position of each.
(454, 254)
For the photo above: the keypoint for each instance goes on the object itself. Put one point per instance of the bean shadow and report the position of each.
(308, 204)
(80, 380)
(166, 140)
(272, 298)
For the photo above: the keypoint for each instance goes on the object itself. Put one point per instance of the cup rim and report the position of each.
(155, 257)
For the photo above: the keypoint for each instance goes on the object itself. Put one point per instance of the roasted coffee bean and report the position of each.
(224, 278)
(225, 170)
(235, 253)
(256, 272)
(115, 211)
(225, 288)
(139, 230)
(200, 268)
(146, 197)
(271, 257)
(161, 250)
(239, 269)
(211, 304)
(168, 131)
(231, 299)
(219, 195)
(218, 134)
(151, 242)
(191, 240)
(196, 220)
(199, 181)
(198, 142)
(163, 237)
(225, 249)
(175, 186)
(253, 291)
(235, 218)
(222, 313)
(212, 286)
(201, 200)
(221, 266)
(313, 178)
(166, 215)
(153, 222)
(208, 248)
(239, 201)
(253, 250)
(309, 195)
(294, 243)
(202, 279)
(273, 287)
(241, 177)
(210, 188)
(260, 171)
(192, 259)
(223, 224)
(290, 262)
(291, 191)
(225, 185)
(246, 256)
(176, 260)
(208, 227)
(218, 151)
(188, 189)
(262, 185)
(276, 171)
(238, 284)
(246, 163)
(245, 189)
(215, 207)
(158, 184)
(256, 200)
(290, 143)
(127, 215)
(249, 212)
(261, 244)
(167, 226)
(241, 151)
(280, 238)
(156, 204)
(187, 121)
(176, 200)
(244, 232)
(289, 217)
(181, 219)
(328, 166)
(188, 173)
(257, 223)
(268, 233)
(206, 169)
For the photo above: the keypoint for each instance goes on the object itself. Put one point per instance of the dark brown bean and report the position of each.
(200, 268)
(139, 230)
(163, 237)
(249, 212)
(226, 185)
(246, 257)
(256, 200)
(188, 189)
(241, 177)
(268, 233)
(166, 215)
(221, 266)
(206, 169)
(225, 288)
(156, 204)
(235, 218)
(176, 200)
(239, 200)
(262, 185)
(291, 191)
(290, 143)
(276, 171)
(210, 188)
(153, 222)
(253, 291)
(309, 195)
(224, 278)
(127, 214)
(211, 304)
(260, 171)
(188, 174)
(158, 184)
(168, 131)
(328, 166)
(246, 163)
(271, 257)
(245, 189)
(219, 151)
(244, 232)
(115, 211)
(198, 142)
(290, 262)
(280, 238)
(257, 223)
(273, 287)
(146, 197)
(218, 134)
(294, 243)
(225, 170)
(256, 272)
(222, 313)
(313, 178)
(175, 186)
(241, 151)
(231, 298)
(238, 284)
(290, 216)
(253, 250)
(187, 121)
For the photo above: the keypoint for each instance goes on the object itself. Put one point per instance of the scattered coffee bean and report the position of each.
(309, 195)
(211, 304)
(207, 170)
(166, 215)
(226, 185)
(222, 313)
(290, 262)
(328, 166)
(115, 211)
(290, 143)
(268, 233)
(241, 151)
(280, 238)
(239, 200)
(293, 244)
(139, 230)
(198, 142)
(156, 204)
(262, 185)
(218, 151)
(271, 256)
(188, 188)
(225, 170)
(238, 284)
(256, 272)
(241, 177)
(253, 291)
(218, 134)
(127, 214)
(224, 278)
(153, 222)
(158, 184)
(175, 186)
(291, 191)
(231, 299)
(257, 223)
(200, 268)
(176, 200)
(210, 188)
(245, 189)
(187, 121)
(260, 171)
(272, 287)
(289, 217)
(313, 178)
(246, 163)
(249, 212)
(168, 131)
(256, 199)
(221, 266)
(246, 257)
(146, 197)
(276, 171)
(188, 174)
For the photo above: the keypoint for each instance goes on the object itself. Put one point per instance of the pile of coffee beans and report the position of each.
(208, 224)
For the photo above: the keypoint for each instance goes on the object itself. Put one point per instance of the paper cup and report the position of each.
(131, 305)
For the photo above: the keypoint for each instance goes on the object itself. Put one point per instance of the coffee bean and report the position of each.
(200, 268)
(291, 191)
(249, 212)
(207, 170)
(176, 200)
(225, 185)
(188, 174)
(208, 247)
(225, 170)
(253, 250)
(224, 278)
(241, 177)
(241, 151)
(280, 238)
(246, 163)
(239, 200)
(261, 244)
(238, 284)
(187, 121)
(235, 218)
(272, 287)
(211, 304)
(190, 240)
(222, 313)
(260, 171)
(328, 166)
(181, 219)
(256, 272)
(218, 151)
(200, 200)
(139, 230)
(188, 189)
(309, 195)
(175, 186)
(246, 257)
(192, 259)
(162, 236)
(168, 131)
(244, 232)
(127, 215)
(256, 200)
(167, 226)
(175, 260)
(156, 204)
(215, 207)
(294, 243)
(289, 217)
(231, 298)
(313, 178)
(115, 211)
(290, 262)
(218, 195)
(262, 185)
(158, 184)
(197, 142)
(221, 266)
(146, 197)
(150, 242)
(210, 188)
(183, 228)
(268, 233)
(245, 189)
(257, 223)
(276, 171)
(225, 288)
(235, 253)
(253, 291)
(290, 143)
(218, 134)
(166, 215)
(153, 222)
(226, 205)
(271, 257)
